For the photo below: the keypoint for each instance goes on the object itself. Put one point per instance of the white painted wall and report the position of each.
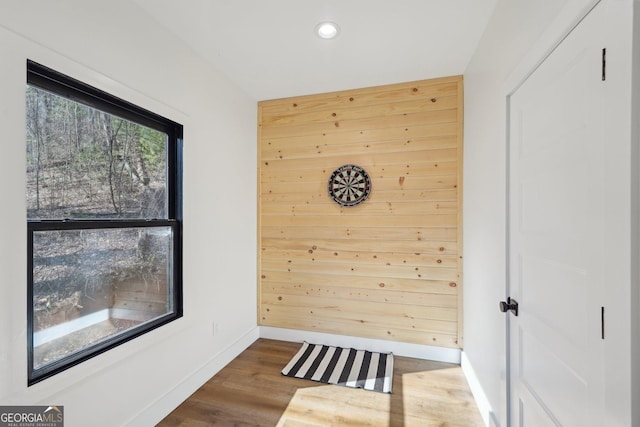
(634, 301)
(519, 35)
(115, 46)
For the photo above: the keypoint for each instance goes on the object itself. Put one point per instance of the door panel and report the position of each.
(533, 416)
(556, 236)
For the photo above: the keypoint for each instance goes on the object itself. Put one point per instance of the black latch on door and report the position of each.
(511, 305)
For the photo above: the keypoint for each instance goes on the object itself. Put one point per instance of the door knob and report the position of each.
(509, 305)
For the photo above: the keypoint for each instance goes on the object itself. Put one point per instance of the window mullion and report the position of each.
(88, 225)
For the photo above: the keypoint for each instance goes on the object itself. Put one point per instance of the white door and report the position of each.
(557, 235)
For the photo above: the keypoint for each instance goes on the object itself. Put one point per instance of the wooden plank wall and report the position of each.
(389, 268)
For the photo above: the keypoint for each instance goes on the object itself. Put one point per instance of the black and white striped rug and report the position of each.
(342, 366)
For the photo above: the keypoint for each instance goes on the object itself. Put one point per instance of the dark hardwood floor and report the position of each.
(251, 391)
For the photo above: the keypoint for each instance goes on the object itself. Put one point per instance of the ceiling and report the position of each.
(269, 48)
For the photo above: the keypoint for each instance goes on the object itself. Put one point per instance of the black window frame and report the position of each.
(62, 85)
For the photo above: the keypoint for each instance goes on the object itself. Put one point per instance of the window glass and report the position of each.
(85, 163)
(89, 285)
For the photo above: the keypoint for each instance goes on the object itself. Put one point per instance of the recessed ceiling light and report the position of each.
(327, 30)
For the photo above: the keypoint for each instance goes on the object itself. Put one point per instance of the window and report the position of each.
(104, 221)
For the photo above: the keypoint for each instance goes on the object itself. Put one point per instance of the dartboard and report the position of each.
(349, 185)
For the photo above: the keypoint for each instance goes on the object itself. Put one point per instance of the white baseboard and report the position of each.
(479, 395)
(417, 351)
(156, 411)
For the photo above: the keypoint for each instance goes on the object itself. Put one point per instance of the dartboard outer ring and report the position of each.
(349, 185)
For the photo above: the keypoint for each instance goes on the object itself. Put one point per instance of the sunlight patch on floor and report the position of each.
(438, 397)
(332, 405)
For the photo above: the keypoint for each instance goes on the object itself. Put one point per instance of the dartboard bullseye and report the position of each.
(349, 185)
